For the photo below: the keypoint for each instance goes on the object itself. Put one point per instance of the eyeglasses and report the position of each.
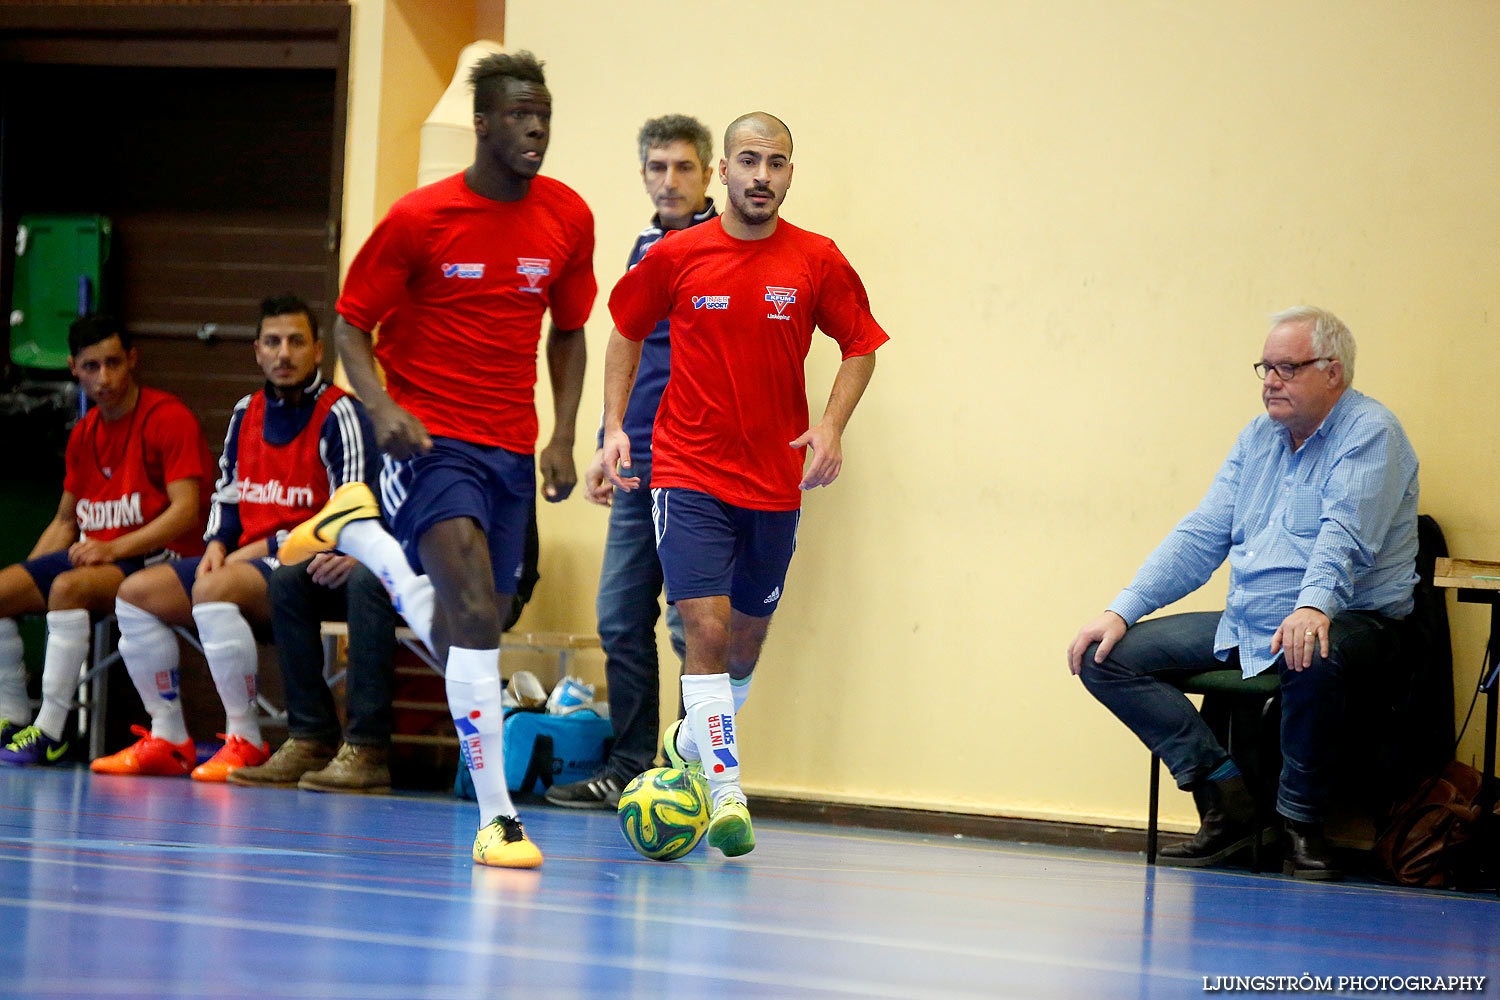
(1285, 370)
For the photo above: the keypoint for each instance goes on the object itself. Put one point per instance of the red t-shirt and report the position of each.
(118, 470)
(742, 314)
(280, 486)
(458, 284)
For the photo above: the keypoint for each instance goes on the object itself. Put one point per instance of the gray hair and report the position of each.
(676, 128)
(1330, 337)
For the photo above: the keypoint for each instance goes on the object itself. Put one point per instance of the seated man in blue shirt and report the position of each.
(1316, 508)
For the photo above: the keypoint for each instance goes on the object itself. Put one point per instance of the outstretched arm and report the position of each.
(567, 356)
(826, 436)
(621, 359)
(399, 433)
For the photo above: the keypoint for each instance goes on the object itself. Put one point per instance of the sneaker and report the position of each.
(729, 829)
(320, 533)
(149, 755)
(31, 746)
(602, 791)
(290, 762)
(356, 769)
(9, 731)
(237, 752)
(527, 691)
(675, 758)
(503, 844)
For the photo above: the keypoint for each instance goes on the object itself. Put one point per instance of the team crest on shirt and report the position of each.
(710, 302)
(535, 269)
(463, 270)
(780, 298)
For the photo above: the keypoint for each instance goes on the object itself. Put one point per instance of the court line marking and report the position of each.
(738, 926)
(671, 967)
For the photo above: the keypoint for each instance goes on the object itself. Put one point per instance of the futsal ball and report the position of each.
(663, 812)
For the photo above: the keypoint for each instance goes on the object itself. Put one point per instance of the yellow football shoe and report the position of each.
(502, 843)
(320, 533)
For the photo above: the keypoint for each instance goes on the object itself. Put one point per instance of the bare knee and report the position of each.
(82, 589)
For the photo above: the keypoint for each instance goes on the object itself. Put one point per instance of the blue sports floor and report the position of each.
(140, 887)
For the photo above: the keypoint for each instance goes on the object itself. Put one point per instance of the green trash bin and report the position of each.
(59, 274)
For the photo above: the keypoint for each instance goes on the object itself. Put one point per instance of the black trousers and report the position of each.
(298, 607)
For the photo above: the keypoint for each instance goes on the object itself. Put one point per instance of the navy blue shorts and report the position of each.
(43, 570)
(709, 548)
(457, 479)
(187, 569)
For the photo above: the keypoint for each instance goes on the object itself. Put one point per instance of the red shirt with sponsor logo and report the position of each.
(742, 314)
(118, 470)
(276, 486)
(458, 284)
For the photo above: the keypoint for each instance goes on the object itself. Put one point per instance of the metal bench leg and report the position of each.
(1151, 810)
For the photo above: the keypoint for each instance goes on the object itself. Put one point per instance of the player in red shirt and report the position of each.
(457, 277)
(743, 293)
(135, 490)
(289, 445)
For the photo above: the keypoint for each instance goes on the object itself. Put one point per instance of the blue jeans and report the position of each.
(298, 608)
(628, 605)
(1136, 683)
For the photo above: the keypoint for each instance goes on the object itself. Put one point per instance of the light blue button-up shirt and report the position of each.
(1331, 526)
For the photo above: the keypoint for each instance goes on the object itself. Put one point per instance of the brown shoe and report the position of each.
(355, 769)
(291, 761)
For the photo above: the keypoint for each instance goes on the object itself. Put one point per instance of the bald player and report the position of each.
(743, 293)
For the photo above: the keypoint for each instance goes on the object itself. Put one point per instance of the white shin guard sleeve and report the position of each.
(67, 645)
(149, 649)
(15, 706)
(473, 681)
(709, 702)
(229, 648)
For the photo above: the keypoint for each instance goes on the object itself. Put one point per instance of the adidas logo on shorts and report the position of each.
(775, 594)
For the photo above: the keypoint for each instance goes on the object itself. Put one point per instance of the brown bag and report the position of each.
(1420, 845)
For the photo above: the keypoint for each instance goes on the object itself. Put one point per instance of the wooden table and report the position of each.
(1478, 582)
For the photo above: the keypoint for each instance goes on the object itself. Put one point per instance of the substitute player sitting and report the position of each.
(743, 293)
(135, 490)
(457, 277)
(288, 447)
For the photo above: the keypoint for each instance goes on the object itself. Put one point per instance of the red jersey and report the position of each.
(742, 314)
(118, 470)
(279, 486)
(458, 284)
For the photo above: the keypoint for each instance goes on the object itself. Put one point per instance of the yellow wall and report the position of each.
(1073, 219)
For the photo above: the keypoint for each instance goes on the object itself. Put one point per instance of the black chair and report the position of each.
(1252, 708)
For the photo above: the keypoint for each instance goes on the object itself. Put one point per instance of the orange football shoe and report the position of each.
(236, 752)
(149, 755)
(320, 533)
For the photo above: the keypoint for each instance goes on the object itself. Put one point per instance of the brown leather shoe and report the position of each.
(356, 769)
(291, 761)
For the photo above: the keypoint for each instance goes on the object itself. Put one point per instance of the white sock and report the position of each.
(67, 645)
(473, 682)
(229, 648)
(709, 701)
(740, 687)
(149, 649)
(15, 706)
(380, 553)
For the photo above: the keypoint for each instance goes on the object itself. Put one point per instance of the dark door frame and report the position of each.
(308, 35)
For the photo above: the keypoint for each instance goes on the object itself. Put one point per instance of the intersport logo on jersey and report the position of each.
(100, 515)
(275, 493)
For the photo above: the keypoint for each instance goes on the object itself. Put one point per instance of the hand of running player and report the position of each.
(559, 474)
(827, 458)
(596, 485)
(1106, 630)
(90, 552)
(331, 570)
(400, 434)
(615, 457)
